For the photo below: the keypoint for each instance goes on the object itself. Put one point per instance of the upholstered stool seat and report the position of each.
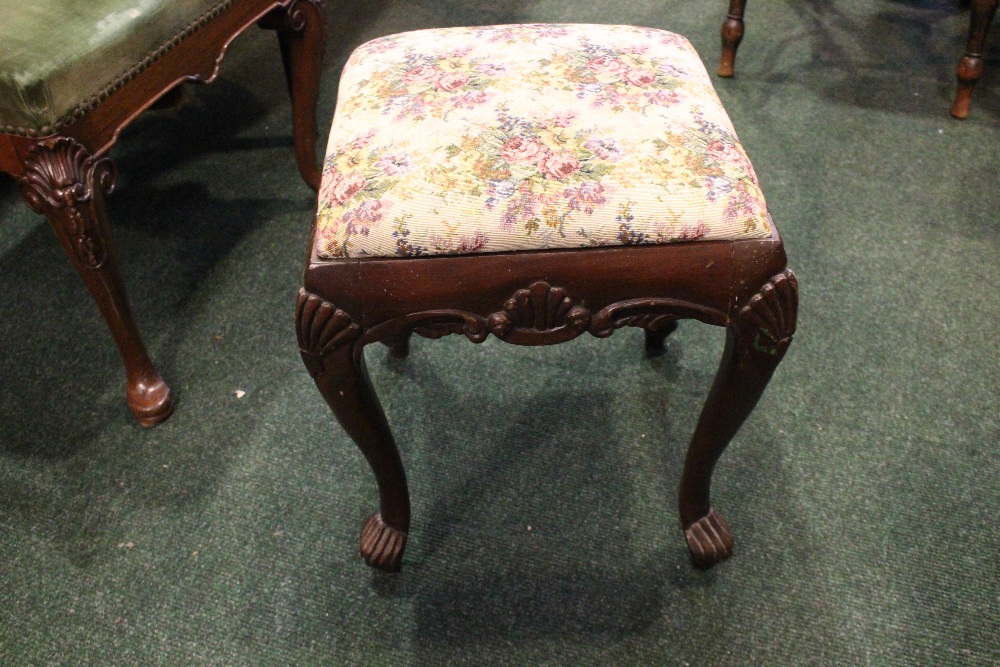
(528, 137)
(537, 182)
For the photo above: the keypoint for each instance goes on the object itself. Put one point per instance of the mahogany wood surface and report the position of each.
(970, 68)
(545, 298)
(66, 175)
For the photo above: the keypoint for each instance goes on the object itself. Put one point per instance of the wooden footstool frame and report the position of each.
(544, 298)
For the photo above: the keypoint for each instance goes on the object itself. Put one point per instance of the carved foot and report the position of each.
(382, 545)
(151, 402)
(709, 540)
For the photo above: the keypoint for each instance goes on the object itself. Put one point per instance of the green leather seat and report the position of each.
(58, 57)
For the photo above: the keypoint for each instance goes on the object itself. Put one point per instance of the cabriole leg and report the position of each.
(66, 183)
(302, 37)
(755, 344)
(331, 349)
(732, 34)
(970, 68)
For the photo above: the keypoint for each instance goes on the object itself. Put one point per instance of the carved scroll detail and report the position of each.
(293, 17)
(298, 13)
(321, 329)
(438, 323)
(768, 318)
(539, 314)
(61, 175)
(649, 314)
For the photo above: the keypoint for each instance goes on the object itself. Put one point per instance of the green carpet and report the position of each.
(862, 492)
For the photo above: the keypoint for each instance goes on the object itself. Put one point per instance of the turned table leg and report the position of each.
(755, 344)
(332, 351)
(732, 34)
(66, 183)
(970, 68)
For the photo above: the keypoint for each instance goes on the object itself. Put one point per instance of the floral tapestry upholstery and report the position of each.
(529, 137)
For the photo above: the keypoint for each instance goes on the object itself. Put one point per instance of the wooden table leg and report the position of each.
(66, 183)
(755, 345)
(970, 68)
(732, 34)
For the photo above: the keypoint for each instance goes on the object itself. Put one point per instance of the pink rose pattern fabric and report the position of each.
(526, 137)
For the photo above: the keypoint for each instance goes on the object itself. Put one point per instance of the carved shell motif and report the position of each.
(770, 315)
(321, 328)
(540, 314)
(60, 175)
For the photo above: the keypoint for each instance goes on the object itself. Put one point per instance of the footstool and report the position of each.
(537, 182)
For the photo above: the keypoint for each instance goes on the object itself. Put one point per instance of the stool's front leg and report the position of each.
(755, 344)
(331, 347)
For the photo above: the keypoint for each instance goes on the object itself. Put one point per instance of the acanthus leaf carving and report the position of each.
(321, 328)
(768, 319)
(61, 178)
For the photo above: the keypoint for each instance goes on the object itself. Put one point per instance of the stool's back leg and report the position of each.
(332, 351)
(399, 344)
(656, 336)
(755, 344)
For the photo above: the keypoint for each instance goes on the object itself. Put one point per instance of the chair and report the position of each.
(73, 74)
(537, 183)
(970, 68)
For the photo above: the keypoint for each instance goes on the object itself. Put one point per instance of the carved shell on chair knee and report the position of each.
(61, 174)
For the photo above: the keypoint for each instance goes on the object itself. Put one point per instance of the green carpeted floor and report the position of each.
(862, 492)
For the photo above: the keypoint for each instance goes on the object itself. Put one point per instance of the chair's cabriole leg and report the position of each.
(67, 184)
(755, 344)
(302, 36)
(732, 34)
(331, 347)
(970, 68)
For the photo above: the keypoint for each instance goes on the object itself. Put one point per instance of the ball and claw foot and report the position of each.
(382, 545)
(709, 540)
